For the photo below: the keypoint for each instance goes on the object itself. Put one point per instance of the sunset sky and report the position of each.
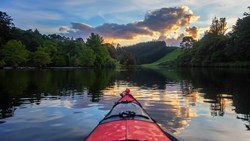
(123, 21)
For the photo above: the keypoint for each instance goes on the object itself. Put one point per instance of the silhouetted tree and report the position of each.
(6, 25)
(111, 49)
(218, 26)
(127, 59)
(241, 37)
(187, 42)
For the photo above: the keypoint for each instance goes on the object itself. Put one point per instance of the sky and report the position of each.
(123, 21)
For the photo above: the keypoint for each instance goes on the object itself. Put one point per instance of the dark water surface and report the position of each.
(194, 104)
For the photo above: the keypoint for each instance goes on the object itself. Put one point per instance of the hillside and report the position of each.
(169, 57)
(143, 53)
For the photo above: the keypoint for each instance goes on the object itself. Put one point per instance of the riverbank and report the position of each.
(167, 64)
(32, 68)
(174, 64)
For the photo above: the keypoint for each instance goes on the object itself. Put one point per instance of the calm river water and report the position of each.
(194, 104)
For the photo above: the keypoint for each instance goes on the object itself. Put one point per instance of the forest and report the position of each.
(143, 53)
(28, 48)
(217, 49)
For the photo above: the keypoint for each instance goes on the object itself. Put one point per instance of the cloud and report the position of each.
(96, 12)
(128, 31)
(193, 32)
(63, 28)
(168, 19)
(108, 31)
(81, 26)
(164, 22)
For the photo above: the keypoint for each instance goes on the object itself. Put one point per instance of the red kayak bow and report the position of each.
(128, 121)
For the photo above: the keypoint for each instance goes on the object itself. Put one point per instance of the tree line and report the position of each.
(30, 48)
(217, 48)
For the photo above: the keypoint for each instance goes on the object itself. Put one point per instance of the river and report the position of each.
(66, 104)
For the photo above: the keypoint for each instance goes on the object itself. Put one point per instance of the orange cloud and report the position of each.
(193, 32)
(162, 22)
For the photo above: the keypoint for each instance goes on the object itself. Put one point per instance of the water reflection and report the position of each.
(167, 106)
(218, 105)
(175, 98)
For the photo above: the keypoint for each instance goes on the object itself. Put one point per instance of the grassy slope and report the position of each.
(168, 57)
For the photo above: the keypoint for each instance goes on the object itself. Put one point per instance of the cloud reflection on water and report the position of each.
(182, 101)
(170, 107)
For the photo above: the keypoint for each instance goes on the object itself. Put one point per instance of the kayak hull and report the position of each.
(128, 130)
(127, 120)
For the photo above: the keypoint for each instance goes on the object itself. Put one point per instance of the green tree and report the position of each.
(41, 57)
(210, 49)
(14, 53)
(71, 50)
(52, 48)
(87, 57)
(127, 59)
(95, 42)
(111, 49)
(145, 52)
(32, 39)
(60, 60)
(6, 25)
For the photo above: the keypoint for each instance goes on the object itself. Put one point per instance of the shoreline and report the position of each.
(215, 65)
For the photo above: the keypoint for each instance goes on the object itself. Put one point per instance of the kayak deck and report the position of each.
(128, 121)
(128, 130)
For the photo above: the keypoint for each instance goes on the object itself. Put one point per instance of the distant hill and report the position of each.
(147, 52)
(168, 58)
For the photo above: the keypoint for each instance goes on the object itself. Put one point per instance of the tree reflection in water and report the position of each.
(218, 105)
(169, 95)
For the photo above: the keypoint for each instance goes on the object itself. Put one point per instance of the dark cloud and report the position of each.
(168, 19)
(63, 28)
(111, 31)
(128, 31)
(164, 22)
(81, 26)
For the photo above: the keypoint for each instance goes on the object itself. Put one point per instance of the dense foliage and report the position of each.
(5, 27)
(219, 49)
(143, 53)
(30, 48)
